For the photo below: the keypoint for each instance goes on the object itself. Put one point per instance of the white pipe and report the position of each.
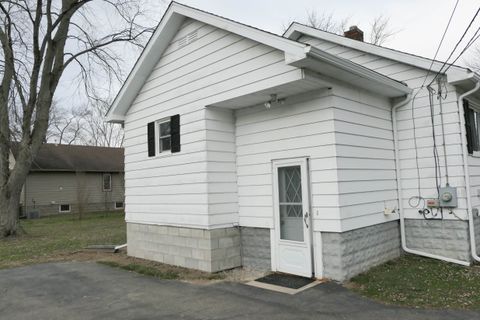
(471, 227)
(117, 248)
(400, 193)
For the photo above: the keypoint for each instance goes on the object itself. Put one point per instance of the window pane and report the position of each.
(107, 182)
(291, 222)
(165, 144)
(165, 129)
(291, 208)
(289, 182)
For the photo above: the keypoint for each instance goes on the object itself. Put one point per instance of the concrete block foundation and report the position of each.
(349, 253)
(206, 250)
(256, 251)
(449, 238)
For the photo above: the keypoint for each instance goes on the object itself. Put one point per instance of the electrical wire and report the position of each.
(472, 40)
(417, 166)
(456, 46)
(436, 157)
(419, 198)
(441, 42)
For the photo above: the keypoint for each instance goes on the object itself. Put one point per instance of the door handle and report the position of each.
(305, 217)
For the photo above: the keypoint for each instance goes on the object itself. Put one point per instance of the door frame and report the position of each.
(275, 242)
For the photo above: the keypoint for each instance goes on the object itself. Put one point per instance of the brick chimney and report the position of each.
(354, 33)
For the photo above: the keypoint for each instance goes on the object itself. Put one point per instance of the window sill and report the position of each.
(163, 154)
(475, 154)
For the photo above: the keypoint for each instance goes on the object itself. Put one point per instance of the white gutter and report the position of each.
(400, 193)
(473, 245)
(357, 69)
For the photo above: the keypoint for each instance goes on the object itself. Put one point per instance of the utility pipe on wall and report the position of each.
(471, 227)
(400, 192)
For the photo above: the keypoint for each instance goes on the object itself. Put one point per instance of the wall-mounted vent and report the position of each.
(189, 38)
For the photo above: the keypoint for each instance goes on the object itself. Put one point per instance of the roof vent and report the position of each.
(189, 38)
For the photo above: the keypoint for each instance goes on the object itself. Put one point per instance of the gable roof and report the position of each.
(75, 158)
(166, 29)
(296, 53)
(455, 73)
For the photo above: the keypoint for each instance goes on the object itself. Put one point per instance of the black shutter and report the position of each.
(469, 126)
(175, 133)
(151, 139)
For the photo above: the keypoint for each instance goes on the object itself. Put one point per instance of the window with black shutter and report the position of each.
(175, 133)
(472, 127)
(164, 135)
(151, 139)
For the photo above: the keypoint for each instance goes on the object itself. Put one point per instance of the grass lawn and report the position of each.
(65, 237)
(52, 238)
(421, 282)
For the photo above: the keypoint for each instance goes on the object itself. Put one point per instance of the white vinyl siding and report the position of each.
(173, 188)
(414, 78)
(302, 127)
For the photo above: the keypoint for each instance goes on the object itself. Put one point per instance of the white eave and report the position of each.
(296, 30)
(296, 54)
(335, 67)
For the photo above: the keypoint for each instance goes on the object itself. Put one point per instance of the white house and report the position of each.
(290, 153)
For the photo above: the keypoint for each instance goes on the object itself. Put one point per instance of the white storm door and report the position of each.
(292, 217)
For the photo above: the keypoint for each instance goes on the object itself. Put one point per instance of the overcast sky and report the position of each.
(419, 23)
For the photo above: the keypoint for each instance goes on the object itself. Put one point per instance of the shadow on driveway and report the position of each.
(79, 290)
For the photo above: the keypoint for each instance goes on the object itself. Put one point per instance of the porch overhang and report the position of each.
(297, 82)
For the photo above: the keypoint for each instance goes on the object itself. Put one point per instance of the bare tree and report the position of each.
(65, 126)
(97, 132)
(40, 39)
(379, 31)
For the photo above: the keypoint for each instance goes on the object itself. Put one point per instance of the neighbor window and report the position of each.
(64, 208)
(164, 135)
(472, 126)
(118, 204)
(107, 182)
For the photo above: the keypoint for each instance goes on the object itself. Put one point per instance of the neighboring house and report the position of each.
(73, 179)
(289, 153)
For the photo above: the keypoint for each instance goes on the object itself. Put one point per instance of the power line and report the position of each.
(474, 38)
(456, 46)
(440, 44)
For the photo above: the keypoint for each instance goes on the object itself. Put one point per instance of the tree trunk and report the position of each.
(9, 208)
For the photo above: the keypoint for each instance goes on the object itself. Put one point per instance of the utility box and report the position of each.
(448, 197)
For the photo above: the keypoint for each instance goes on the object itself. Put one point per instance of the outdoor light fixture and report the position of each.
(273, 100)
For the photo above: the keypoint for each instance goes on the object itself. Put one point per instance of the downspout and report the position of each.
(471, 227)
(400, 192)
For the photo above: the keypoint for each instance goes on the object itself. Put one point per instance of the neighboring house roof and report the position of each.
(74, 158)
(455, 73)
(297, 54)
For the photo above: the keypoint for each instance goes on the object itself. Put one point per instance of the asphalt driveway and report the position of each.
(92, 291)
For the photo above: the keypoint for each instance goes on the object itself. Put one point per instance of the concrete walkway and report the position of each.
(92, 291)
